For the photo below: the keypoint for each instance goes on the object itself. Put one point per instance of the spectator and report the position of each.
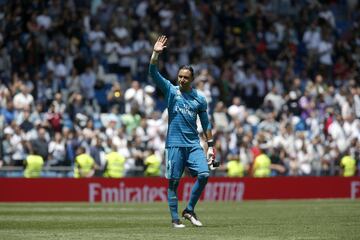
(114, 166)
(221, 121)
(234, 167)
(97, 152)
(152, 164)
(33, 166)
(111, 51)
(134, 96)
(23, 98)
(17, 142)
(8, 112)
(87, 83)
(73, 81)
(26, 125)
(40, 143)
(275, 98)
(261, 165)
(348, 163)
(84, 164)
(7, 150)
(96, 38)
(57, 151)
(142, 50)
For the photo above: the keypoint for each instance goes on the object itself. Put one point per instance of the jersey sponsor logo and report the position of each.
(186, 110)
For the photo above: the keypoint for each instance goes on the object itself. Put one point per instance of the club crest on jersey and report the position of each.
(178, 94)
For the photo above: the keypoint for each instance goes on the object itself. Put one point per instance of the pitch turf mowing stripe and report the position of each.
(312, 219)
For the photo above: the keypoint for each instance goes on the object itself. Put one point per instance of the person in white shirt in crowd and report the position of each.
(119, 29)
(73, 81)
(211, 49)
(23, 98)
(59, 103)
(313, 122)
(149, 101)
(134, 95)
(275, 98)
(141, 9)
(311, 38)
(260, 84)
(286, 139)
(347, 108)
(340, 96)
(269, 124)
(318, 149)
(97, 39)
(111, 52)
(87, 84)
(273, 41)
(331, 153)
(355, 92)
(142, 49)
(141, 131)
(329, 96)
(351, 127)
(156, 130)
(221, 120)
(304, 155)
(112, 123)
(17, 140)
(44, 20)
(325, 51)
(245, 154)
(166, 14)
(326, 14)
(239, 72)
(127, 59)
(337, 132)
(237, 109)
(57, 150)
(248, 86)
(60, 74)
(5, 95)
(207, 78)
(120, 140)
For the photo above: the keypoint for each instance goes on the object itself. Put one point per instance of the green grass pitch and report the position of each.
(306, 219)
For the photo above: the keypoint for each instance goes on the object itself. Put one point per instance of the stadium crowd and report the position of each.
(281, 78)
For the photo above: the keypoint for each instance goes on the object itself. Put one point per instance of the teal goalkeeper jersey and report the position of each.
(183, 108)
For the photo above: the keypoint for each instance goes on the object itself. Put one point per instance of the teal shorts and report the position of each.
(177, 158)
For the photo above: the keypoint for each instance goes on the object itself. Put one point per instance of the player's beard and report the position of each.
(185, 86)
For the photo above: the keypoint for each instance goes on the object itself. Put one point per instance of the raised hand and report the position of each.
(160, 44)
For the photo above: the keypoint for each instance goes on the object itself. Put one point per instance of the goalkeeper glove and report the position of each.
(211, 156)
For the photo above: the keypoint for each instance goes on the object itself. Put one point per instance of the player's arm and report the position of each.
(159, 80)
(207, 128)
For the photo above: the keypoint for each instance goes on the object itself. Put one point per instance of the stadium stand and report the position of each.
(281, 77)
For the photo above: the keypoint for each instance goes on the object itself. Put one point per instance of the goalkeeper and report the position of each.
(183, 148)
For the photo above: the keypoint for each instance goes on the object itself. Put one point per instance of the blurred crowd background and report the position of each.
(281, 78)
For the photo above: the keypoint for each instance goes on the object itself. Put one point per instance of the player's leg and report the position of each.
(174, 170)
(198, 166)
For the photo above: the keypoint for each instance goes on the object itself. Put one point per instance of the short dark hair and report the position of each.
(187, 67)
